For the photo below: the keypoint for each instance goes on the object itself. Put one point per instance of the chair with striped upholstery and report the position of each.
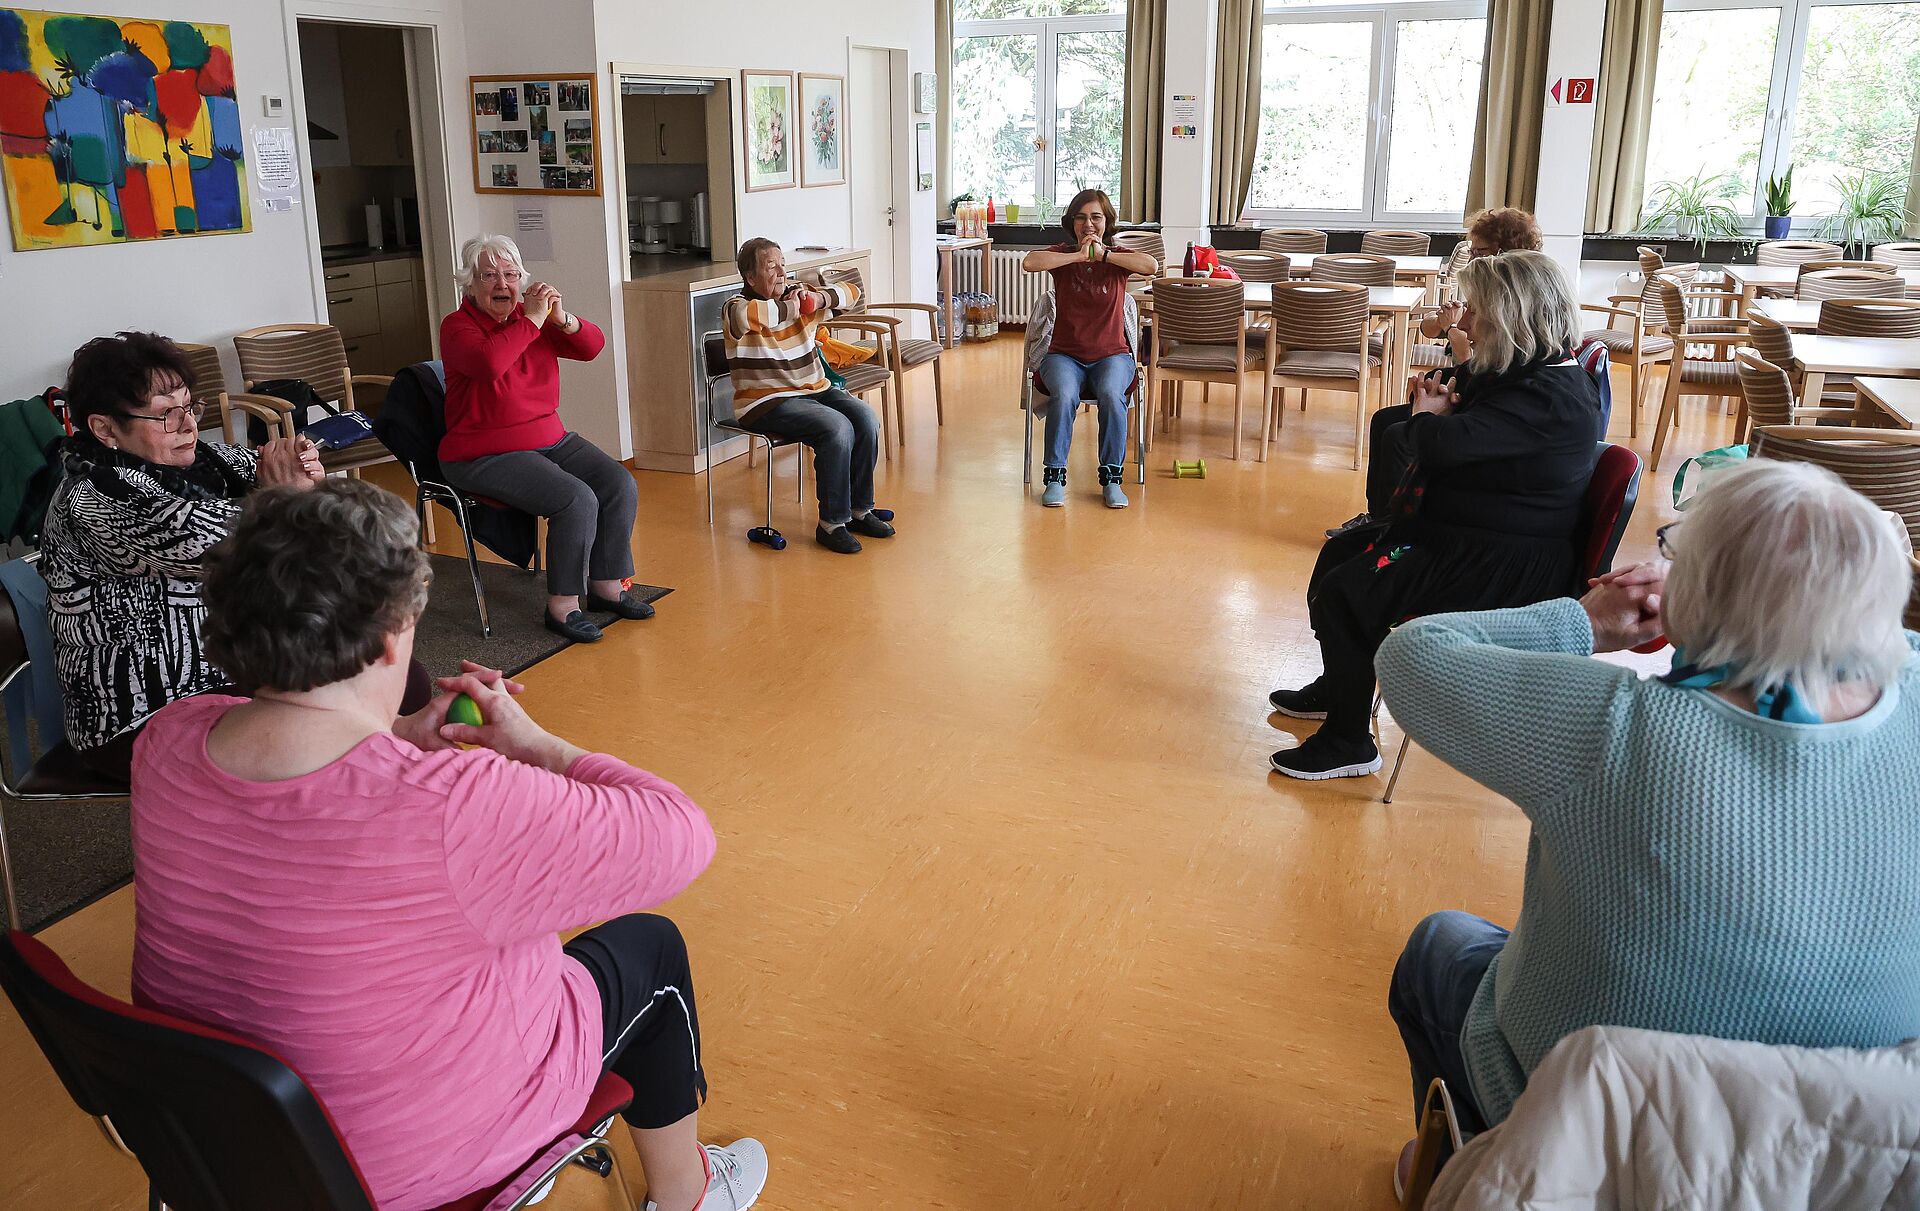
(1774, 342)
(1650, 261)
(1807, 267)
(1320, 343)
(1717, 379)
(1294, 241)
(316, 354)
(1200, 335)
(1149, 242)
(1901, 254)
(1396, 243)
(1635, 334)
(898, 352)
(1849, 284)
(1354, 268)
(1771, 396)
(1795, 252)
(209, 388)
(1882, 465)
(1258, 266)
(1883, 317)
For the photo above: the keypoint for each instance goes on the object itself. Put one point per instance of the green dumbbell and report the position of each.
(1196, 469)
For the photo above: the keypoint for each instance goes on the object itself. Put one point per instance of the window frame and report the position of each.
(1045, 84)
(1783, 91)
(1385, 18)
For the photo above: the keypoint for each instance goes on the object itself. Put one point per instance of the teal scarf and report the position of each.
(1779, 702)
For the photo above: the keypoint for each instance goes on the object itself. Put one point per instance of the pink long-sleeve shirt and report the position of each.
(388, 925)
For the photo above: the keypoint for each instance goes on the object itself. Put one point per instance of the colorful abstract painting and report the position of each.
(115, 129)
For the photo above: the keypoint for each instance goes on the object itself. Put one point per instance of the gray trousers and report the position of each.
(588, 499)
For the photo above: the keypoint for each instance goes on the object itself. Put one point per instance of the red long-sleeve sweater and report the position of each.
(503, 380)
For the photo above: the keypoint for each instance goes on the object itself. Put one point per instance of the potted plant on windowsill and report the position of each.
(1696, 207)
(1780, 205)
(1872, 208)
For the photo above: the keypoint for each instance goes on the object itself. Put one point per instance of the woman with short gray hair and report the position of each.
(383, 908)
(1728, 850)
(1485, 512)
(504, 439)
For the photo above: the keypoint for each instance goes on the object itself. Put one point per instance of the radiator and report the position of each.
(1012, 287)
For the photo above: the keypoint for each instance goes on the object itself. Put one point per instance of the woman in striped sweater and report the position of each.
(780, 388)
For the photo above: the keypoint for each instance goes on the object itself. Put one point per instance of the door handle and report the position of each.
(660, 138)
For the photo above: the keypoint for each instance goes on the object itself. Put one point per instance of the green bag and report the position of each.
(1708, 462)
(833, 376)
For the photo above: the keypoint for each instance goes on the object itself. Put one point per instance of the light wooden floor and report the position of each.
(1008, 911)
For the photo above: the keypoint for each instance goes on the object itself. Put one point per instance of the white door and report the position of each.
(870, 163)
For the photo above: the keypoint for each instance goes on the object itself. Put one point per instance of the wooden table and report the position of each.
(1796, 315)
(1819, 356)
(1887, 403)
(1751, 278)
(947, 246)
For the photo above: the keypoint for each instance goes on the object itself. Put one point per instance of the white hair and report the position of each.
(1784, 574)
(1523, 308)
(503, 251)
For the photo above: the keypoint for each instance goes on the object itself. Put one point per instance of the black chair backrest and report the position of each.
(713, 355)
(713, 348)
(13, 641)
(215, 1121)
(413, 419)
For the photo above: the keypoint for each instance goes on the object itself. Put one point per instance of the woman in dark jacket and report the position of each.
(1485, 514)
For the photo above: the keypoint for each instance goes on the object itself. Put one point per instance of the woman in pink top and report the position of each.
(382, 908)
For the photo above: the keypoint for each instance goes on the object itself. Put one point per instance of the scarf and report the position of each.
(1780, 703)
(209, 478)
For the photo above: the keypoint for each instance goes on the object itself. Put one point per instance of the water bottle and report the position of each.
(1186, 266)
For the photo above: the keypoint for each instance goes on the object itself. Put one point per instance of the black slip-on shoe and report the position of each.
(627, 606)
(1303, 703)
(836, 540)
(578, 627)
(871, 526)
(1321, 756)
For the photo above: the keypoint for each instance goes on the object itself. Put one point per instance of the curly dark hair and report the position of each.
(308, 586)
(118, 374)
(1507, 228)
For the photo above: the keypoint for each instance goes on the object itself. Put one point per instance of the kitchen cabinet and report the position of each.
(664, 129)
(380, 308)
(379, 122)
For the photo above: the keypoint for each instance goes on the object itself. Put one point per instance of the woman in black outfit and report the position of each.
(1483, 517)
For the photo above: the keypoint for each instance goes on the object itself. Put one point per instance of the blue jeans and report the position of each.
(1069, 381)
(1433, 986)
(844, 435)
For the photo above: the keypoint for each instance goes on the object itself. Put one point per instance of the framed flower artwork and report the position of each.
(823, 118)
(768, 120)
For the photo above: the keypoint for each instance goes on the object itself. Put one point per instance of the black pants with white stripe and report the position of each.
(652, 1031)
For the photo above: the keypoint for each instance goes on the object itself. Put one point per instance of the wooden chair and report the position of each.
(1320, 342)
(1881, 317)
(1807, 267)
(1258, 266)
(1650, 261)
(1849, 284)
(899, 351)
(1717, 378)
(1435, 1142)
(1200, 335)
(1795, 252)
(1772, 398)
(1635, 334)
(1355, 268)
(1396, 243)
(1882, 465)
(1901, 254)
(1149, 242)
(1774, 342)
(1293, 241)
(316, 355)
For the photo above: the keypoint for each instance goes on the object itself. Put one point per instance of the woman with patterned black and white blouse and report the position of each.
(142, 501)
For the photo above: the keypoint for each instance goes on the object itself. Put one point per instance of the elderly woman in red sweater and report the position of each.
(505, 440)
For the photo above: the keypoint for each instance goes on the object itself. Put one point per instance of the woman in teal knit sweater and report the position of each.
(1730, 850)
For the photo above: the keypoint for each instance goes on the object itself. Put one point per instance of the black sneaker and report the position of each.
(1321, 756)
(872, 526)
(578, 627)
(1307, 702)
(626, 606)
(836, 540)
(1352, 523)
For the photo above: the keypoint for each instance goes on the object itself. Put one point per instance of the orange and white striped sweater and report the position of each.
(771, 347)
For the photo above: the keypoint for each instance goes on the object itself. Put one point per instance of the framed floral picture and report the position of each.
(823, 118)
(768, 119)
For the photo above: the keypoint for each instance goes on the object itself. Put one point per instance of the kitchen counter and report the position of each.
(693, 276)
(342, 254)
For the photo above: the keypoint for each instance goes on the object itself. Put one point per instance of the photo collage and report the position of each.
(534, 135)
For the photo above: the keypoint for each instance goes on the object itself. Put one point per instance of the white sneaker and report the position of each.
(737, 1174)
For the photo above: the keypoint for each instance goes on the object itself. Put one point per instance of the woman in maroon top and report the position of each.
(505, 440)
(1089, 354)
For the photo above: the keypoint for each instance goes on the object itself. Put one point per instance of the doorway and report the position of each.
(872, 164)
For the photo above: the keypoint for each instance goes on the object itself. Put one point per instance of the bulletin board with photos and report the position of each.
(535, 134)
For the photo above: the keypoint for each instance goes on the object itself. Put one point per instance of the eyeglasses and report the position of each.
(1087, 218)
(1660, 537)
(492, 276)
(181, 418)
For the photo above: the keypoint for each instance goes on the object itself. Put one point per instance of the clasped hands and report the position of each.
(289, 462)
(1624, 606)
(542, 301)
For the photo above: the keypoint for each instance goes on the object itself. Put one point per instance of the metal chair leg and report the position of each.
(769, 485)
(1397, 763)
(473, 566)
(1026, 407)
(6, 872)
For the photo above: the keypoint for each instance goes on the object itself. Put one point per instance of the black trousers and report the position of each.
(1387, 456)
(651, 1030)
(588, 499)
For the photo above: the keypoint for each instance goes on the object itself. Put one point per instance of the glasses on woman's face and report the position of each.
(495, 277)
(1082, 219)
(1665, 544)
(180, 418)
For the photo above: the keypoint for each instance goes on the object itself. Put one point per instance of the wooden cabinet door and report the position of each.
(640, 128)
(379, 126)
(681, 129)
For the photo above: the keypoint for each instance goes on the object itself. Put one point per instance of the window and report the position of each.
(1744, 89)
(1039, 87)
(1366, 111)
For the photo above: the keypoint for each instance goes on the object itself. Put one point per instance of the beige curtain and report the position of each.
(943, 109)
(1236, 108)
(1912, 227)
(1624, 98)
(1513, 92)
(1141, 129)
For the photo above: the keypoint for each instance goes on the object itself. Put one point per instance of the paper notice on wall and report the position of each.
(531, 232)
(1185, 111)
(274, 163)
